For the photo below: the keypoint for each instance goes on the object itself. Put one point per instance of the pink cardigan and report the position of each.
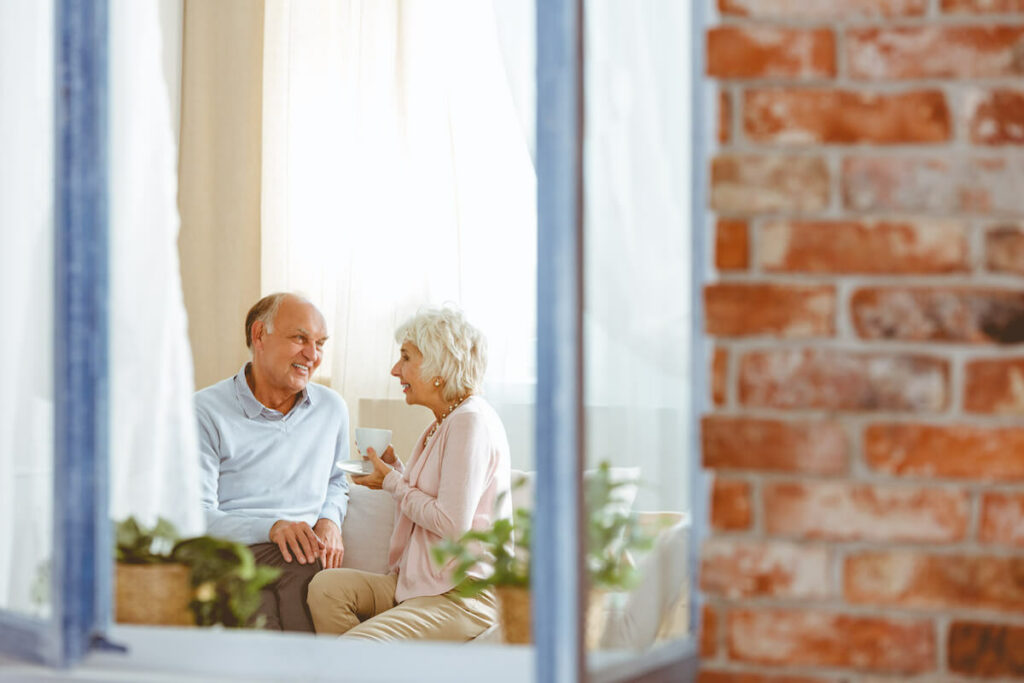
(447, 488)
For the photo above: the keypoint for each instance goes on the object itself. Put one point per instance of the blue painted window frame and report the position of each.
(80, 574)
(560, 448)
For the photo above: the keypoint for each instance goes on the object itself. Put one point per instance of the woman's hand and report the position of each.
(389, 456)
(375, 479)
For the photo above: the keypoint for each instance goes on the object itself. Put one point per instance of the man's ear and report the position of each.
(257, 332)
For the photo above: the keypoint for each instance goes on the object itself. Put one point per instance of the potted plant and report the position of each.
(613, 534)
(197, 581)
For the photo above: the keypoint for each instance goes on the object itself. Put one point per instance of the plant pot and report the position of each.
(514, 608)
(155, 594)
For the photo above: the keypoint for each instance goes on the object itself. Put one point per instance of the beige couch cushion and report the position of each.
(366, 531)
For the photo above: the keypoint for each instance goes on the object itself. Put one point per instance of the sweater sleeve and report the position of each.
(465, 463)
(234, 527)
(336, 501)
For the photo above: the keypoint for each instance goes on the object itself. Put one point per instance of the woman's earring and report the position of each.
(437, 382)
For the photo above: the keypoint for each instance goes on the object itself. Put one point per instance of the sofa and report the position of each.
(656, 610)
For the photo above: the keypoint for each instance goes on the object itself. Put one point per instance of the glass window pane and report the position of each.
(637, 321)
(26, 275)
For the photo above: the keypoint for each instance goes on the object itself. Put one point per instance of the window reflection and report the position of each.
(637, 315)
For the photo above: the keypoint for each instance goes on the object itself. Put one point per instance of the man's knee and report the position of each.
(294, 574)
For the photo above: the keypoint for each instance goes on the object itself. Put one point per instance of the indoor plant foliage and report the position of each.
(505, 545)
(613, 533)
(224, 578)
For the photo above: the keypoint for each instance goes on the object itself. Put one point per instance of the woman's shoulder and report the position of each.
(473, 408)
(476, 414)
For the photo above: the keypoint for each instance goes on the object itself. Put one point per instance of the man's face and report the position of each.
(290, 354)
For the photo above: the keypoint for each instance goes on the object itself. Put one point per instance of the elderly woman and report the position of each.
(454, 480)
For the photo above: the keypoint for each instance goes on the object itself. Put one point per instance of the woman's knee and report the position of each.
(325, 586)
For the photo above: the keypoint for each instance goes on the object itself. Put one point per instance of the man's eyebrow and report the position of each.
(303, 330)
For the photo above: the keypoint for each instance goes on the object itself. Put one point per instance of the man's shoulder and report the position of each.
(215, 395)
(327, 397)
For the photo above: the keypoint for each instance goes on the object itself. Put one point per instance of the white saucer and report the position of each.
(358, 467)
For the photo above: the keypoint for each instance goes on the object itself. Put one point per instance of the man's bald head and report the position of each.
(265, 310)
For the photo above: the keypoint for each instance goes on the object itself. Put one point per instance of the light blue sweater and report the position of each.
(259, 466)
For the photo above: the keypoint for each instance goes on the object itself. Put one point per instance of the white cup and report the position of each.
(370, 437)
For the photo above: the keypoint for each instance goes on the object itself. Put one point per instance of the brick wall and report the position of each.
(867, 440)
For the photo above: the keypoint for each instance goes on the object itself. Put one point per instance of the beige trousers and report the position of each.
(362, 605)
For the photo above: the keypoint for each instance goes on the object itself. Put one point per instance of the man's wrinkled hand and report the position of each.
(297, 538)
(333, 549)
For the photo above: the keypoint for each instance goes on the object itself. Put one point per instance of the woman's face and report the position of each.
(418, 390)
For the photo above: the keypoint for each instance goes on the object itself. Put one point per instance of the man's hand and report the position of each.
(375, 479)
(297, 537)
(333, 548)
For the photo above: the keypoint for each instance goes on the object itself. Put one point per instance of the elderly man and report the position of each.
(269, 442)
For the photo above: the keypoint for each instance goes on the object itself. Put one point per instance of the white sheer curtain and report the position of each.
(26, 278)
(396, 174)
(153, 460)
(637, 324)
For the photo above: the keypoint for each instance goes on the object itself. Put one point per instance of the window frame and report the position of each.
(82, 574)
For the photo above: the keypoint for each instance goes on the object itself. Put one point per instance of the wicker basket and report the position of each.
(514, 605)
(155, 594)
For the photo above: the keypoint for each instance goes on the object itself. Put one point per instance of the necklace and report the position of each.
(451, 409)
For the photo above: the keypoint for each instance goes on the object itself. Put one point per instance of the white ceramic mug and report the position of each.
(371, 437)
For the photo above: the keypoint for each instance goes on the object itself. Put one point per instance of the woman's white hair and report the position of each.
(452, 349)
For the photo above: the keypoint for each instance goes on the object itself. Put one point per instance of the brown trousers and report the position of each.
(284, 601)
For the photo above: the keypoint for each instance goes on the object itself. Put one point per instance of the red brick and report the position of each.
(752, 183)
(935, 52)
(817, 9)
(720, 376)
(743, 309)
(730, 505)
(770, 52)
(1004, 249)
(898, 183)
(732, 248)
(992, 185)
(812, 116)
(995, 386)
(724, 116)
(985, 650)
(854, 512)
(911, 579)
(814, 638)
(839, 380)
(948, 314)
(730, 442)
(996, 117)
(709, 676)
(920, 246)
(983, 6)
(735, 568)
(708, 631)
(1002, 519)
(952, 451)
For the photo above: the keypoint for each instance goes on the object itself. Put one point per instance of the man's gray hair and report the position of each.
(265, 311)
